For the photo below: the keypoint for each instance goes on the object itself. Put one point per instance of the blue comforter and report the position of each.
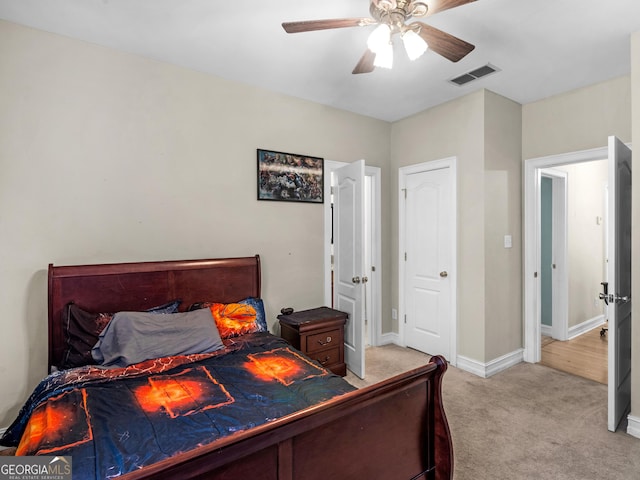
(114, 421)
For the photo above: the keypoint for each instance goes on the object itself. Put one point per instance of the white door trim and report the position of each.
(403, 172)
(375, 278)
(560, 282)
(531, 247)
(376, 242)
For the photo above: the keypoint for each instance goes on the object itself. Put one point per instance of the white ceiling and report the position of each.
(542, 47)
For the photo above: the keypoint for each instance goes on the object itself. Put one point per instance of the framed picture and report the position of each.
(290, 177)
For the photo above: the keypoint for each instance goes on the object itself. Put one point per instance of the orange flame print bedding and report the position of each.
(234, 319)
(135, 416)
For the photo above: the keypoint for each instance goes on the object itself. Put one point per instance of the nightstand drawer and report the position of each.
(324, 340)
(327, 357)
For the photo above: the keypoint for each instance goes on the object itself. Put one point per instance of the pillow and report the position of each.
(132, 337)
(169, 307)
(82, 329)
(258, 305)
(235, 319)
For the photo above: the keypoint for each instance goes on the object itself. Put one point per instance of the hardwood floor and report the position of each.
(584, 356)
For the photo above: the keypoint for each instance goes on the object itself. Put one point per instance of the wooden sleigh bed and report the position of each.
(396, 429)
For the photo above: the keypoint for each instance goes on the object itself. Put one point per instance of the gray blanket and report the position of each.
(131, 337)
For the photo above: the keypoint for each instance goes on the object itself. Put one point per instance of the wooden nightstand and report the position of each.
(318, 333)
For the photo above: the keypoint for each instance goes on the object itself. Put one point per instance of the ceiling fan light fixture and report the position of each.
(384, 57)
(414, 44)
(379, 38)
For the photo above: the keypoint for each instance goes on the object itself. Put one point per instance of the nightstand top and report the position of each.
(312, 315)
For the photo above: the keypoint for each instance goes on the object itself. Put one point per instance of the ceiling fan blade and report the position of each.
(365, 64)
(443, 43)
(436, 6)
(311, 25)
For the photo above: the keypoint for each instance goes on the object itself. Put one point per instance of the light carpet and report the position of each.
(527, 422)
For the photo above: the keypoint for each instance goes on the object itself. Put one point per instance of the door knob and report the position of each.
(365, 279)
(444, 274)
(620, 299)
(355, 279)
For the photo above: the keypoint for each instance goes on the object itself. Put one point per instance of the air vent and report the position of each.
(475, 74)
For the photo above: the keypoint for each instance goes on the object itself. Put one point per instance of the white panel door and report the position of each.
(349, 276)
(428, 218)
(619, 276)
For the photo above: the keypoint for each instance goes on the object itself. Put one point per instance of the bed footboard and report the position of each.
(396, 429)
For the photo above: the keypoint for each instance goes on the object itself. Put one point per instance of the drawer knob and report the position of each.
(325, 342)
(323, 362)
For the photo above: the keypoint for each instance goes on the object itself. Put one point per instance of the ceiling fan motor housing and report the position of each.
(396, 12)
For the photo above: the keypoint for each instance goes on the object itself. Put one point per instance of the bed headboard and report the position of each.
(137, 286)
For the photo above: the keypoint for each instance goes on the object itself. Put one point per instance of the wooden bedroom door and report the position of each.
(349, 264)
(619, 276)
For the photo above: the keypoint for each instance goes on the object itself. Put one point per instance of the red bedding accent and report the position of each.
(192, 391)
(283, 365)
(60, 423)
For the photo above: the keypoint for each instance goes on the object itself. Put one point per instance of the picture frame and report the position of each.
(290, 177)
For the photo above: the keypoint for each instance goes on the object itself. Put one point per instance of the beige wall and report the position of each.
(451, 129)
(577, 120)
(482, 130)
(635, 228)
(106, 157)
(587, 268)
(502, 216)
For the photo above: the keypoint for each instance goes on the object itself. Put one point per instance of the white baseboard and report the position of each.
(633, 426)
(483, 370)
(546, 330)
(585, 326)
(486, 370)
(387, 338)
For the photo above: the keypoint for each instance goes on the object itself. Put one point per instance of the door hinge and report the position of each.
(405, 193)
(331, 190)
(405, 256)
(405, 318)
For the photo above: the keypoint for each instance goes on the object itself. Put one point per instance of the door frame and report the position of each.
(451, 163)
(560, 281)
(375, 278)
(531, 240)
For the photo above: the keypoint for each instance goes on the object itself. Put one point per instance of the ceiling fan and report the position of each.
(391, 16)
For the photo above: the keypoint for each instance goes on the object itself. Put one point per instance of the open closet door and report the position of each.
(619, 275)
(349, 276)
